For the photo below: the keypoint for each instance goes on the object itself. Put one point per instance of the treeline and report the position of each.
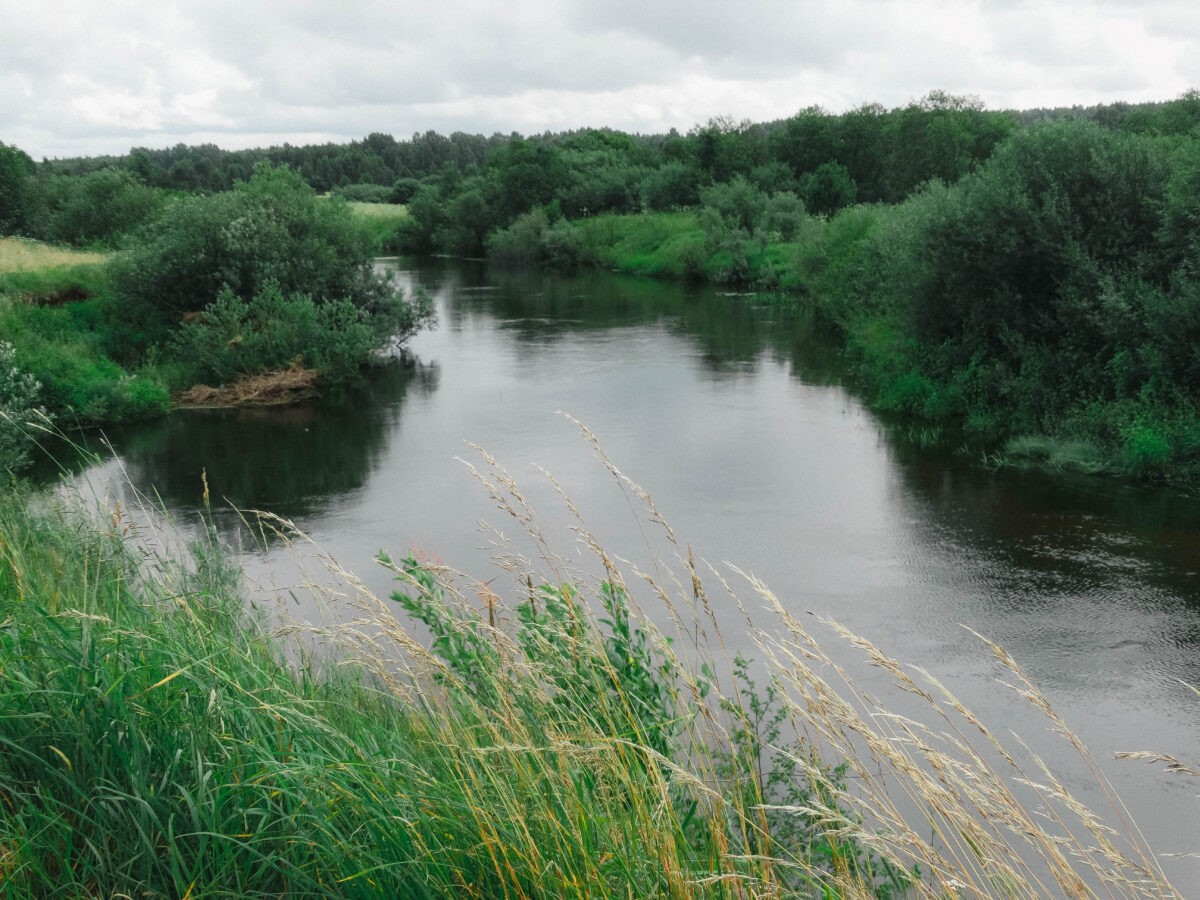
(1025, 281)
(378, 159)
(466, 186)
(827, 161)
(96, 201)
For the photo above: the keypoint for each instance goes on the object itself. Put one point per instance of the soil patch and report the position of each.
(73, 294)
(267, 389)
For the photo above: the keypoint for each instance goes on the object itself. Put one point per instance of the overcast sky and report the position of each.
(86, 77)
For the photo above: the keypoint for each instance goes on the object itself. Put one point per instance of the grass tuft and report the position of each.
(569, 729)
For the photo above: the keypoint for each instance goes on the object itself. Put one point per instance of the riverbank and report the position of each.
(1031, 295)
(112, 338)
(161, 738)
(1006, 314)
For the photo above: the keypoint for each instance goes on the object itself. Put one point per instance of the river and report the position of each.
(735, 417)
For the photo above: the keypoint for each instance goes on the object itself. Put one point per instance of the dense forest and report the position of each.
(1023, 282)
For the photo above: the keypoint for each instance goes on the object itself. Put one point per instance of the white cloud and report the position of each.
(84, 78)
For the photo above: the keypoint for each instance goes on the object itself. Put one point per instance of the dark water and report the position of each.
(733, 416)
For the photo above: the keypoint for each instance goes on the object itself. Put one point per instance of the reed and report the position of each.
(572, 728)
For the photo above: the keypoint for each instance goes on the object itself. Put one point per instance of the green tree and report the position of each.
(270, 230)
(99, 207)
(829, 188)
(16, 173)
(674, 185)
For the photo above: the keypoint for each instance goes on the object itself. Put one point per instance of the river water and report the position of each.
(734, 416)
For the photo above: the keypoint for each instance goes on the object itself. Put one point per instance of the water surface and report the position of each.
(733, 415)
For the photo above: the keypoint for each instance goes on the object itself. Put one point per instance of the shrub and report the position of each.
(270, 229)
(783, 215)
(242, 337)
(97, 208)
(364, 193)
(829, 189)
(18, 406)
(738, 203)
(534, 239)
(674, 185)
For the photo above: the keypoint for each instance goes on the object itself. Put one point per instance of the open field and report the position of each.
(20, 255)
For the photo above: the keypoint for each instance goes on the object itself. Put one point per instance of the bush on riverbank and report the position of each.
(157, 739)
(18, 412)
(1049, 297)
(272, 228)
(233, 337)
(242, 282)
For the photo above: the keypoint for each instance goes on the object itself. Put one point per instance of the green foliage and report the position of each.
(829, 188)
(272, 228)
(779, 786)
(942, 137)
(98, 208)
(403, 190)
(533, 239)
(738, 203)
(382, 224)
(16, 180)
(364, 193)
(64, 334)
(1056, 455)
(18, 410)
(613, 672)
(660, 244)
(521, 175)
(1024, 265)
(235, 337)
(783, 217)
(672, 186)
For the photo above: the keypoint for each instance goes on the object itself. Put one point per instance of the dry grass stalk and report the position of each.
(937, 789)
(288, 385)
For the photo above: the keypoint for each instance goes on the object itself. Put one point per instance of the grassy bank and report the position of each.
(157, 741)
(382, 223)
(20, 255)
(73, 335)
(1042, 311)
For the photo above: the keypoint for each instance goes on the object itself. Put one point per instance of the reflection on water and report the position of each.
(732, 413)
(732, 332)
(294, 461)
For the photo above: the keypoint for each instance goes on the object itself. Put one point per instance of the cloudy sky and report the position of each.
(81, 77)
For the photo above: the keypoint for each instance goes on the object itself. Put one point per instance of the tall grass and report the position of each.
(20, 255)
(537, 735)
(381, 223)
